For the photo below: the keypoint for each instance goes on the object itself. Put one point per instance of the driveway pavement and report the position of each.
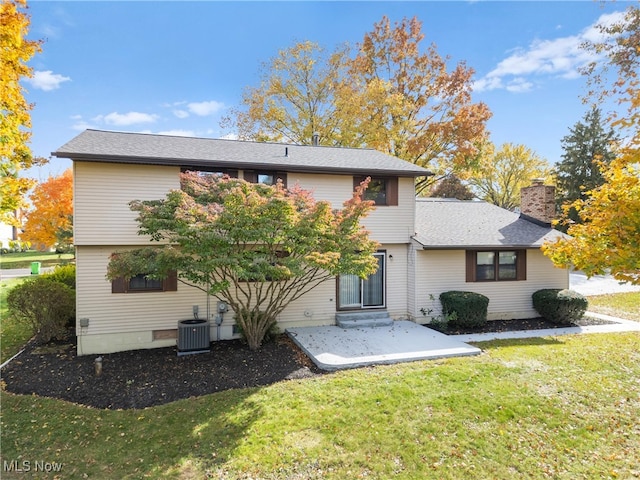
(598, 285)
(20, 272)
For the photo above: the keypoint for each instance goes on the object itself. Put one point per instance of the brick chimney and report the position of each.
(537, 203)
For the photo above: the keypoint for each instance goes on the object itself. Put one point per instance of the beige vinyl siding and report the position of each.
(335, 189)
(102, 192)
(395, 224)
(411, 281)
(387, 224)
(442, 270)
(126, 312)
(320, 303)
(397, 281)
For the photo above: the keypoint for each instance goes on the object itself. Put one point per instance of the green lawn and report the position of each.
(24, 259)
(624, 305)
(13, 335)
(561, 408)
(564, 408)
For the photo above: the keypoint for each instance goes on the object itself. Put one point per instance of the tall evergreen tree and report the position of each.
(587, 148)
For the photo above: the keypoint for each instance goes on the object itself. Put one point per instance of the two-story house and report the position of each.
(111, 169)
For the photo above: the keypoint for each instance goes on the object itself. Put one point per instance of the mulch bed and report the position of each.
(516, 325)
(144, 378)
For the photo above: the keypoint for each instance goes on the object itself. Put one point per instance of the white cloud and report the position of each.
(561, 57)
(124, 119)
(81, 125)
(519, 85)
(181, 113)
(204, 109)
(46, 80)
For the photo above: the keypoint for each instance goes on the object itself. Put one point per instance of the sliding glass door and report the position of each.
(355, 293)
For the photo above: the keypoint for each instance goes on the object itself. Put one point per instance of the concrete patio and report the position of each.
(335, 348)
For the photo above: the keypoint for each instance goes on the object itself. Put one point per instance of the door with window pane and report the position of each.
(355, 293)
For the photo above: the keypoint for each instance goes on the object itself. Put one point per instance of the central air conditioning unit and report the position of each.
(193, 336)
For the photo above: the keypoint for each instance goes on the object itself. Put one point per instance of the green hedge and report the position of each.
(47, 306)
(63, 274)
(560, 306)
(464, 309)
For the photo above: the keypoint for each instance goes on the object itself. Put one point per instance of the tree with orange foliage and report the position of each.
(388, 94)
(405, 102)
(50, 221)
(608, 239)
(15, 120)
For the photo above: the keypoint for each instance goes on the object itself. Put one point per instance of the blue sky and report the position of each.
(177, 67)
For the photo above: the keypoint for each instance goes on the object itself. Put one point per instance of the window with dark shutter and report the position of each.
(141, 284)
(204, 171)
(495, 265)
(266, 177)
(382, 190)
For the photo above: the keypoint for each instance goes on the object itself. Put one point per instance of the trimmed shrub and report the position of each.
(63, 274)
(464, 309)
(46, 306)
(560, 306)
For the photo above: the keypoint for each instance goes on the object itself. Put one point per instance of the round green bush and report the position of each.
(560, 306)
(464, 309)
(46, 306)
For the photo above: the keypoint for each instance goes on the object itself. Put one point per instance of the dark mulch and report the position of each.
(144, 378)
(516, 325)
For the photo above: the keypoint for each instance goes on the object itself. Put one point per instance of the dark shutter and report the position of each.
(170, 284)
(251, 176)
(119, 285)
(470, 265)
(392, 191)
(521, 265)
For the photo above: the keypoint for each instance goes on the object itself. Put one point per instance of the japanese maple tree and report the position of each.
(256, 247)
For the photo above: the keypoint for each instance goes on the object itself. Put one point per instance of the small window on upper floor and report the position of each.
(206, 171)
(266, 177)
(382, 190)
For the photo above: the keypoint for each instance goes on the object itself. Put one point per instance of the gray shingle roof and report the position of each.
(449, 223)
(120, 147)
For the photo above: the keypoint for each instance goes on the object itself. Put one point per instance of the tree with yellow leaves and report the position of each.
(499, 176)
(15, 120)
(50, 221)
(608, 240)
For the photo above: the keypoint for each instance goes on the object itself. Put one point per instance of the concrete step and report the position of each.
(363, 319)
